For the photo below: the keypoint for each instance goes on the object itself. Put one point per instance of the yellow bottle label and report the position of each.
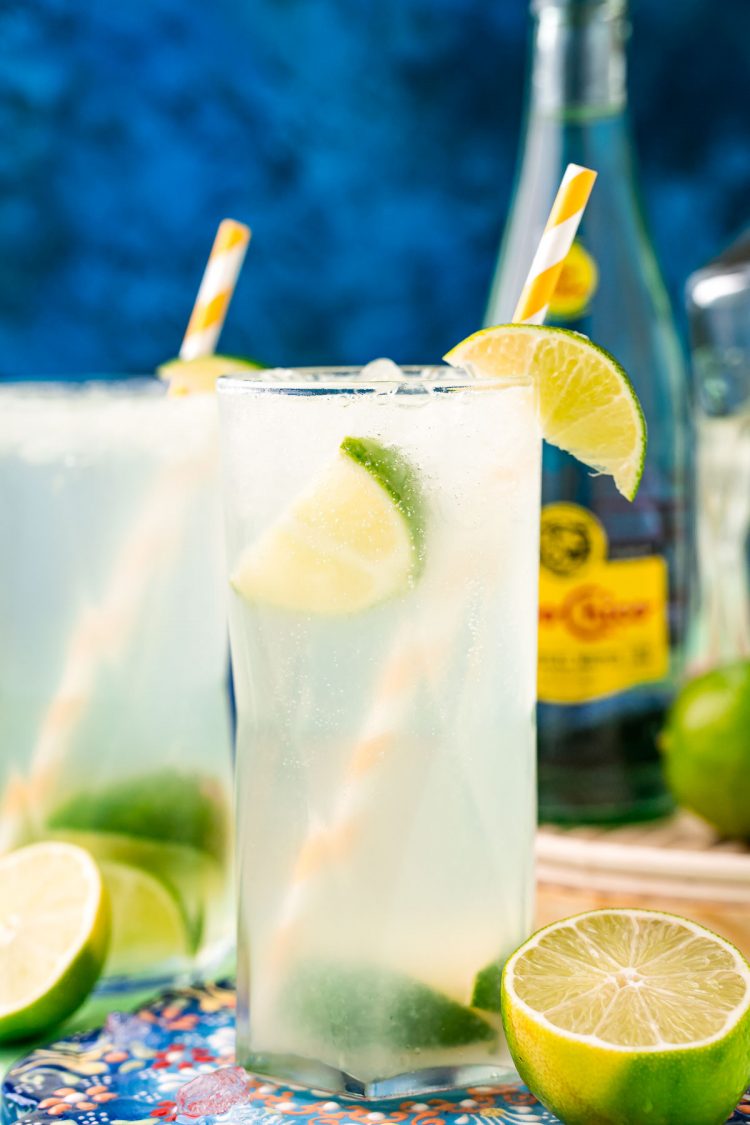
(576, 285)
(602, 623)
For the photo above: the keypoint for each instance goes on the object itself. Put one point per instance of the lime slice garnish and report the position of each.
(54, 929)
(148, 926)
(167, 805)
(349, 1008)
(623, 1016)
(587, 404)
(351, 540)
(198, 376)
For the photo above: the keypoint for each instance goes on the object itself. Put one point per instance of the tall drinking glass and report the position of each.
(113, 658)
(383, 549)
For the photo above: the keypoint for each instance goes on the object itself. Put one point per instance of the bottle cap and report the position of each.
(718, 305)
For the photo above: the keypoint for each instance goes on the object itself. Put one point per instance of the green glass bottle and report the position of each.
(612, 576)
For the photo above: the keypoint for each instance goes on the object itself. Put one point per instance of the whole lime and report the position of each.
(706, 748)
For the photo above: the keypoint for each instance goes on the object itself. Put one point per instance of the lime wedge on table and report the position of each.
(148, 925)
(362, 1006)
(587, 404)
(54, 928)
(352, 539)
(626, 1016)
(198, 376)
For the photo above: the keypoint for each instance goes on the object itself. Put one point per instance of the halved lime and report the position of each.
(195, 881)
(148, 925)
(587, 404)
(199, 375)
(351, 1007)
(54, 929)
(351, 540)
(626, 1016)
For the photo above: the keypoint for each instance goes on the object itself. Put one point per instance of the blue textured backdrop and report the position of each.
(370, 144)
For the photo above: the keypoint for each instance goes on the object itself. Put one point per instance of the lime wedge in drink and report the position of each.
(487, 986)
(54, 928)
(587, 404)
(355, 1007)
(351, 540)
(166, 805)
(198, 376)
(624, 1016)
(148, 925)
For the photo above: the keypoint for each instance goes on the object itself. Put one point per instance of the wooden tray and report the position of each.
(676, 865)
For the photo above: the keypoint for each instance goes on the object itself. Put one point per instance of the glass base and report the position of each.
(319, 1076)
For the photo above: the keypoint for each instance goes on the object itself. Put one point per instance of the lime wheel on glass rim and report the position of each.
(199, 375)
(587, 404)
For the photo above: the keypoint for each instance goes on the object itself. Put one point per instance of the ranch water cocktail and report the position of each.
(383, 550)
(113, 659)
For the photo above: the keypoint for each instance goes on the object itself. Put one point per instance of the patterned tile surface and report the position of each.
(131, 1070)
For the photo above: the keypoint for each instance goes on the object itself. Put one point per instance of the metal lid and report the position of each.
(725, 280)
(573, 9)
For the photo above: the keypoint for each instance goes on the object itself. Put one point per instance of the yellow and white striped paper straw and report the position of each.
(329, 842)
(417, 660)
(216, 289)
(555, 244)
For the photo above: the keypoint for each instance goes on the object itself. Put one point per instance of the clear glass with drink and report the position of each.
(113, 662)
(383, 532)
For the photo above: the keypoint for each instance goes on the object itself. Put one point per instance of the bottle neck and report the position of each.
(578, 59)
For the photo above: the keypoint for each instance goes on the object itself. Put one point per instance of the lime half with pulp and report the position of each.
(54, 930)
(626, 1016)
(352, 539)
(587, 404)
(190, 882)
